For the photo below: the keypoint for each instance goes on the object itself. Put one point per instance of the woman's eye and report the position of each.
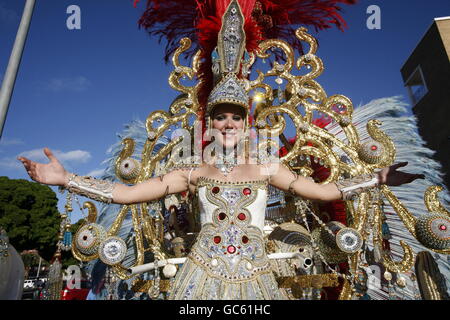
(237, 118)
(220, 118)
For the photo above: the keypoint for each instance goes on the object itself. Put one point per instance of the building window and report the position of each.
(416, 86)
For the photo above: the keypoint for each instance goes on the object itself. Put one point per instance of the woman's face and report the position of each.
(228, 124)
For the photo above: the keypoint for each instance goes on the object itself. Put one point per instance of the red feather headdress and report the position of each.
(201, 21)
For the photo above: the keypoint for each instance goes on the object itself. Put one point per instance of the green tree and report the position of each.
(29, 214)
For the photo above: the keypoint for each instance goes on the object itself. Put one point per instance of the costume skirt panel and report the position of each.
(194, 283)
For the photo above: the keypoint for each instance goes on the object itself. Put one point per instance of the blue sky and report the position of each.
(77, 88)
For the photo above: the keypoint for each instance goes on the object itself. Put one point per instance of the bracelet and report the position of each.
(99, 190)
(351, 188)
(291, 190)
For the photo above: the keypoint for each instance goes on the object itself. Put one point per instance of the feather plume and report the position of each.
(402, 129)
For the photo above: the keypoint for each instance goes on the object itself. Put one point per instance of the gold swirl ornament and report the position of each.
(89, 236)
(429, 278)
(432, 201)
(433, 230)
(127, 169)
(379, 151)
(408, 219)
(92, 211)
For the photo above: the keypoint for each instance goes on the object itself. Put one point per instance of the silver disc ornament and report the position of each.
(88, 238)
(349, 240)
(112, 250)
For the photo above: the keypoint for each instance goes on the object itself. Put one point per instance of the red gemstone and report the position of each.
(222, 216)
(244, 239)
(215, 190)
(247, 191)
(217, 239)
(443, 227)
(374, 148)
(231, 249)
(242, 216)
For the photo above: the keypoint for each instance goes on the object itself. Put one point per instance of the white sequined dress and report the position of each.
(228, 259)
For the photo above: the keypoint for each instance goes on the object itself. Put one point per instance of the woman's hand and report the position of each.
(391, 177)
(52, 173)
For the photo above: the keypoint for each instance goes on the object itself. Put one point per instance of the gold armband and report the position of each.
(351, 188)
(99, 190)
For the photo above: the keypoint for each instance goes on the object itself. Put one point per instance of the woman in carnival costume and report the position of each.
(228, 259)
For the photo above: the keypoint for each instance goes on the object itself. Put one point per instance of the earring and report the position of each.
(208, 128)
(246, 138)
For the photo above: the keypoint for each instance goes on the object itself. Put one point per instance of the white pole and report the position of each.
(39, 268)
(14, 62)
(306, 262)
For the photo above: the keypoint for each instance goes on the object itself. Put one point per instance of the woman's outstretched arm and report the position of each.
(53, 173)
(284, 179)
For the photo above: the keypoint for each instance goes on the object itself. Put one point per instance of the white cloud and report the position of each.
(96, 173)
(78, 83)
(7, 16)
(76, 156)
(73, 156)
(67, 158)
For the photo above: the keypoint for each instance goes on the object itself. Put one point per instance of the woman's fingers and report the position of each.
(399, 165)
(413, 177)
(25, 162)
(49, 154)
(419, 176)
(30, 167)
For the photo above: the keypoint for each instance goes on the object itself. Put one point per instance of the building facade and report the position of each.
(426, 75)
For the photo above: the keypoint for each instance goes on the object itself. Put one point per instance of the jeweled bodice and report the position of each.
(230, 244)
(243, 203)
